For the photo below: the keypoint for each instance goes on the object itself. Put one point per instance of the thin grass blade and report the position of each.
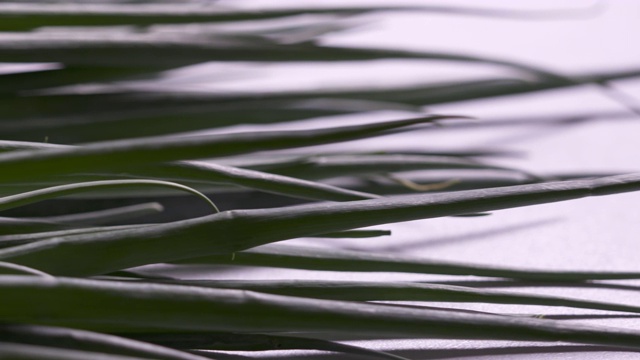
(208, 172)
(256, 342)
(139, 114)
(102, 217)
(400, 291)
(15, 351)
(25, 16)
(9, 225)
(21, 239)
(313, 258)
(82, 340)
(242, 229)
(7, 268)
(211, 173)
(322, 167)
(100, 156)
(13, 201)
(71, 75)
(122, 306)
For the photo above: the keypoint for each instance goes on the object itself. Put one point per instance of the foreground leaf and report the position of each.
(15, 269)
(255, 342)
(69, 75)
(78, 118)
(31, 352)
(17, 16)
(82, 118)
(126, 307)
(82, 340)
(399, 291)
(236, 230)
(321, 167)
(118, 154)
(17, 200)
(430, 94)
(9, 225)
(105, 216)
(211, 173)
(314, 258)
(208, 172)
(21, 239)
(162, 50)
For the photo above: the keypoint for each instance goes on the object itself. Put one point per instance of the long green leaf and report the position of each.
(82, 340)
(28, 16)
(355, 234)
(208, 173)
(26, 238)
(9, 225)
(237, 230)
(24, 16)
(15, 269)
(399, 291)
(142, 49)
(74, 118)
(13, 201)
(106, 155)
(151, 118)
(8, 146)
(20, 239)
(15, 83)
(313, 258)
(255, 342)
(127, 307)
(100, 217)
(118, 100)
(431, 94)
(320, 167)
(15, 351)
(145, 49)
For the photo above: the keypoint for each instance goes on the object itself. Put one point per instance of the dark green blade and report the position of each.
(84, 119)
(322, 167)
(204, 173)
(11, 84)
(129, 307)
(24, 16)
(15, 269)
(102, 217)
(255, 342)
(77, 118)
(242, 229)
(18, 351)
(12, 201)
(82, 340)
(399, 291)
(313, 258)
(125, 153)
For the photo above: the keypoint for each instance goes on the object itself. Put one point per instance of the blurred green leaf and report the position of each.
(125, 153)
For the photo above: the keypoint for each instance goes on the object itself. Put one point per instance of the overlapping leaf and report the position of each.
(236, 230)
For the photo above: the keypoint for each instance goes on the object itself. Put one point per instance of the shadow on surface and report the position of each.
(461, 238)
(443, 353)
(521, 284)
